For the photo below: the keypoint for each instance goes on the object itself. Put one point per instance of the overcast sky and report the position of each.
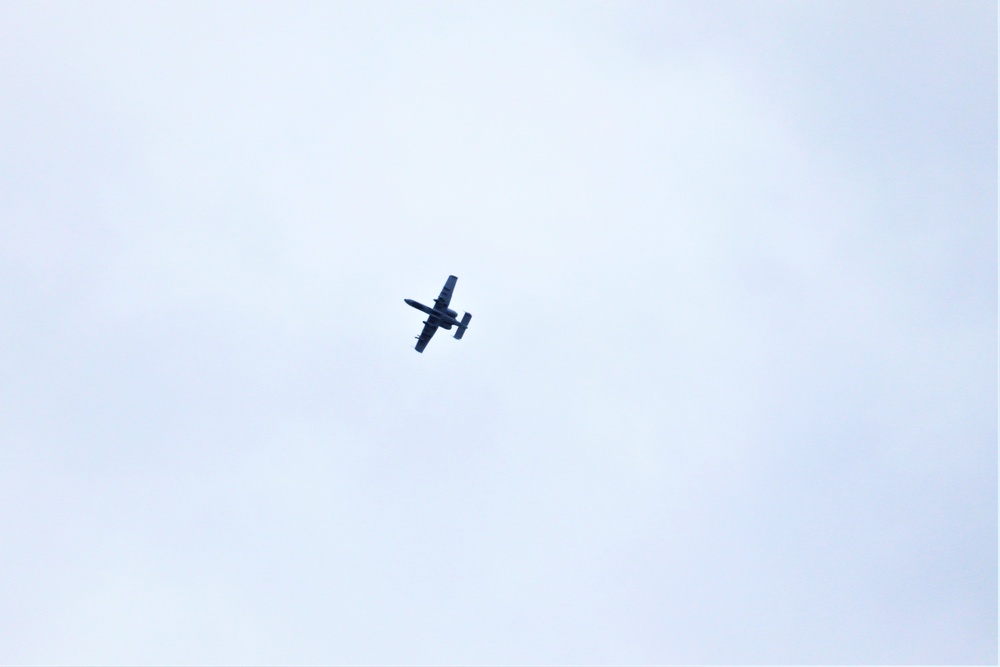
(729, 394)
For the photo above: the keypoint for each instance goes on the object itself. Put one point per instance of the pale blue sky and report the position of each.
(729, 394)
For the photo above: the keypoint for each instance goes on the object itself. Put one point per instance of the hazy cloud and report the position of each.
(729, 393)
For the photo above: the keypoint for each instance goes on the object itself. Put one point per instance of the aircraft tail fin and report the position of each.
(463, 326)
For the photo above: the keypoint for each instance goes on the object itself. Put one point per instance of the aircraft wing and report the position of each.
(445, 297)
(425, 336)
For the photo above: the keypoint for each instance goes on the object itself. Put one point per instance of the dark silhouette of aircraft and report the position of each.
(440, 315)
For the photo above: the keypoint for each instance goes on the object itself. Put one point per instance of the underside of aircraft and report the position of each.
(440, 315)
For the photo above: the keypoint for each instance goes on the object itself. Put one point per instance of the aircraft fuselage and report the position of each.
(442, 318)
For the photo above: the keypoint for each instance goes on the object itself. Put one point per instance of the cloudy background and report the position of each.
(729, 393)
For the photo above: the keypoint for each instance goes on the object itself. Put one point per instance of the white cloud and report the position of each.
(728, 394)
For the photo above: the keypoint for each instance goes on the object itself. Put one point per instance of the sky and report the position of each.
(729, 393)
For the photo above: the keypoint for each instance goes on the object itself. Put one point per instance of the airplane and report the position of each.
(440, 316)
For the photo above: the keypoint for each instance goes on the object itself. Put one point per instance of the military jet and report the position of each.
(440, 315)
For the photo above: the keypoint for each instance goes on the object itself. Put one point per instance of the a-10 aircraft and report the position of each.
(440, 315)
